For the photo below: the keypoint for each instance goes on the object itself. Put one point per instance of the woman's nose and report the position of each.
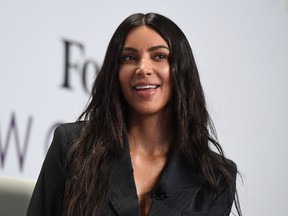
(144, 67)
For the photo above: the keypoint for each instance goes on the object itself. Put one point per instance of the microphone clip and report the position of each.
(160, 193)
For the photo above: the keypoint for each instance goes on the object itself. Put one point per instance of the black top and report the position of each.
(179, 191)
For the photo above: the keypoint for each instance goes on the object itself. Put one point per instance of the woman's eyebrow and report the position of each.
(149, 49)
(129, 49)
(158, 47)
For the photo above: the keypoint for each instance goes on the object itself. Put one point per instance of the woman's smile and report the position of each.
(146, 90)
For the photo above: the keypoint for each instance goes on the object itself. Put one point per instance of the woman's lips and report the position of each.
(145, 91)
(145, 87)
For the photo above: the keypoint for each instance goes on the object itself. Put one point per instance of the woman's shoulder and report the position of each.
(72, 127)
(226, 168)
(69, 131)
(223, 160)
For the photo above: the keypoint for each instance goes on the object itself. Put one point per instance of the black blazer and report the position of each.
(180, 190)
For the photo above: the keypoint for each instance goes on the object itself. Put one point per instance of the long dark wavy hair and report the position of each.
(102, 140)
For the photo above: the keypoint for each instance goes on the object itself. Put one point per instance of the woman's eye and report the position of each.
(161, 56)
(128, 58)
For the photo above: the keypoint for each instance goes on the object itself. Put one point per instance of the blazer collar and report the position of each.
(122, 193)
(176, 187)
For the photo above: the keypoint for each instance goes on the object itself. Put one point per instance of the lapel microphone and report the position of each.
(160, 193)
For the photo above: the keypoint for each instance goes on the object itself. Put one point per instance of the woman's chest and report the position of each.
(146, 173)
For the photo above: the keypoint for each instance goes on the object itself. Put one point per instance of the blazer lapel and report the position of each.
(123, 195)
(178, 181)
(179, 185)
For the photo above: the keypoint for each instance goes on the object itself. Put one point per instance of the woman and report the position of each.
(143, 147)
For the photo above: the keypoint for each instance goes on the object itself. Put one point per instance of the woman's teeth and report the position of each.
(144, 87)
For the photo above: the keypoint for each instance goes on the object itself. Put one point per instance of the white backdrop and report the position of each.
(241, 48)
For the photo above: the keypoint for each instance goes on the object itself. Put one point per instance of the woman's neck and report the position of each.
(150, 134)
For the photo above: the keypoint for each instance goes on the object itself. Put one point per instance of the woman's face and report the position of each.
(144, 72)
